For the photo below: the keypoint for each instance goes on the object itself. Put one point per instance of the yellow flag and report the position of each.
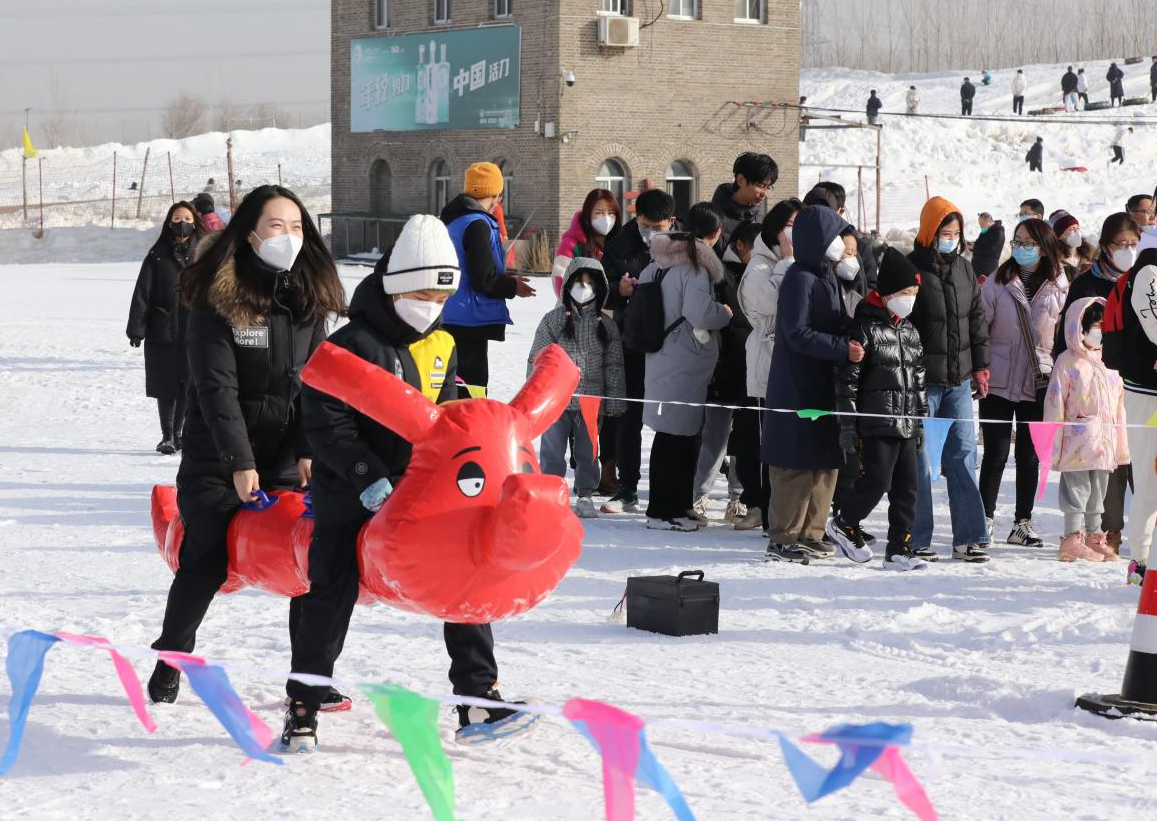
(29, 151)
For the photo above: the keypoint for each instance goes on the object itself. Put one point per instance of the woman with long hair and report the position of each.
(1022, 304)
(681, 370)
(258, 299)
(158, 319)
(599, 220)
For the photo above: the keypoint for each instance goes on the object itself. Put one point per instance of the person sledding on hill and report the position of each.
(1035, 156)
(395, 323)
(888, 384)
(259, 298)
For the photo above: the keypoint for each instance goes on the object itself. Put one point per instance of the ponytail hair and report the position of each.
(703, 220)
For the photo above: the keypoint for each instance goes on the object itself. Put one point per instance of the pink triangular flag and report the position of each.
(125, 673)
(616, 735)
(891, 765)
(1043, 434)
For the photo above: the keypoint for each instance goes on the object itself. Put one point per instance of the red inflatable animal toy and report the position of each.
(474, 532)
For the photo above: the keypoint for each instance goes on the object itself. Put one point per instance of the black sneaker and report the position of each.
(300, 732)
(336, 702)
(481, 725)
(969, 553)
(901, 557)
(868, 538)
(1023, 533)
(817, 549)
(164, 684)
(926, 553)
(625, 501)
(787, 553)
(166, 447)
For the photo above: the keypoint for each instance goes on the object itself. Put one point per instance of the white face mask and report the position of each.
(901, 306)
(1149, 229)
(1074, 239)
(419, 314)
(1093, 339)
(835, 250)
(846, 269)
(281, 251)
(647, 234)
(582, 293)
(603, 224)
(1124, 258)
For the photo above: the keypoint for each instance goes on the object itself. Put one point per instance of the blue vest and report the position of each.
(468, 307)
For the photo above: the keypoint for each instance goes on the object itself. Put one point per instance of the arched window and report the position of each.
(507, 186)
(380, 187)
(439, 186)
(681, 186)
(613, 177)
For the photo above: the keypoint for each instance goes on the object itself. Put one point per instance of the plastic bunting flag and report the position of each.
(210, 682)
(25, 665)
(1152, 419)
(812, 413)
(935, 435)
(1043, 434)
(620, 739)
(815, 781)
(413, 720)
(589, 407)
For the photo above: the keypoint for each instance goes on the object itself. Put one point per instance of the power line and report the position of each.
(165, 58)
(137, 109)
(198, 10)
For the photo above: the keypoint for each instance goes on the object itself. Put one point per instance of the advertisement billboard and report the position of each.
(454, 79)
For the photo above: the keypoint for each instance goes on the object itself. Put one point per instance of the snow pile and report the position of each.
(985, 656)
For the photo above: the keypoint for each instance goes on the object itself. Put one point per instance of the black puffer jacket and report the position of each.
(245, 378)
(986, 250)
(157, 315)
(352, 451)
(949, 317)
(729, 383)
(625, 254)
(888, 380)
(734, 214)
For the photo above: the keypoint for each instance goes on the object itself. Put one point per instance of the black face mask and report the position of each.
(182, 230)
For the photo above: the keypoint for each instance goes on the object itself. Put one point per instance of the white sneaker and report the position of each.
(700, 509)
(736, 510)
(903, 562)
(849, 540)
(585, 508)
(681, 524)
(991, 524)
(1023, 533)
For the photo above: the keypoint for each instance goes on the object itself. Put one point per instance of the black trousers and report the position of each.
(846, 481)
(1153, 91)
(890, 465)
(673, 461)
(966, 108)
(608, 439)
(1018, 105)
(1114, 515)
(473, 362)
(172, 413)
(629, 427)
(1035, 166)
(1118, 155)
(206, 506)
(996, 416)
(745, 447)
(320, 619)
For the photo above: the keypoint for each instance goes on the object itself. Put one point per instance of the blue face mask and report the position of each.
(947, 246)
(1026, 257)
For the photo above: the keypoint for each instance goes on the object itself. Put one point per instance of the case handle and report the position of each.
(261, 501)
(689, 573)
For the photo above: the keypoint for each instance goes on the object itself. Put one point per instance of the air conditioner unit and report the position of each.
(618, 32)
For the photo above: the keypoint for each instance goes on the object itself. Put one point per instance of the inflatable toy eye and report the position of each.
(527, 467)
(471, 479)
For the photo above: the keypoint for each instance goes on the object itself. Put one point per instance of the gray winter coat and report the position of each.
(601, 364)
(681, 370)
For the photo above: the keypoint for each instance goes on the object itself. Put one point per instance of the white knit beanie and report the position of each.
(423, 258)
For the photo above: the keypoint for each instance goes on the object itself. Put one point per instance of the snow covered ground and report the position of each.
(985, 657)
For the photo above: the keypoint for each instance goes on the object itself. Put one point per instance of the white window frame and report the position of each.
(439, 185)
(507, 183)
(503, 9)
(611, 182)
(381, 14)
(747, 19)
(618, 7)
(688, 10)
(443, 12)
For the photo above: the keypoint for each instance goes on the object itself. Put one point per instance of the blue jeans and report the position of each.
(959, 466)
(552, 452)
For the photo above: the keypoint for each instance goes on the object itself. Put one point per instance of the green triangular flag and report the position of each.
(413, 720)
(812, 414)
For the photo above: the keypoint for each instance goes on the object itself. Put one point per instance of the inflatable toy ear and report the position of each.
(371, 390)
(549, 389)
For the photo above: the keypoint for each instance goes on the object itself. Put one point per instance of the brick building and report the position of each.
(662, 112)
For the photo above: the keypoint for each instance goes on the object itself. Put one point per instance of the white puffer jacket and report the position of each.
(759, 298)
(1019, 84)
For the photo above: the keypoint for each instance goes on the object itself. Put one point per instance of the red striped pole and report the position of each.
(1138, 696)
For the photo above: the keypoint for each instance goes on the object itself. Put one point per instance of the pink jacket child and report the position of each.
(574, 237)
(1083, 390)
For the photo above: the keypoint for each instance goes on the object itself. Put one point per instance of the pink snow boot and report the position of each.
(1099, 543)
(1073, 547)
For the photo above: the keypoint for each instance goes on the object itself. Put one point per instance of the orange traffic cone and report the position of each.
(1138, 696)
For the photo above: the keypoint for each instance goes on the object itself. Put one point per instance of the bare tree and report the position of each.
(60, 123)
(182, 116)
(224, 113)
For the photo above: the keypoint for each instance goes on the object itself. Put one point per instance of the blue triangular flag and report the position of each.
(935, 435)
(25, 665)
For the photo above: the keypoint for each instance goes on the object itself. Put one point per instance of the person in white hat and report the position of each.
(395, 323)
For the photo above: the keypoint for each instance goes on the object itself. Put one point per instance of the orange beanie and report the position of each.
(933, 213)
(483, 179)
